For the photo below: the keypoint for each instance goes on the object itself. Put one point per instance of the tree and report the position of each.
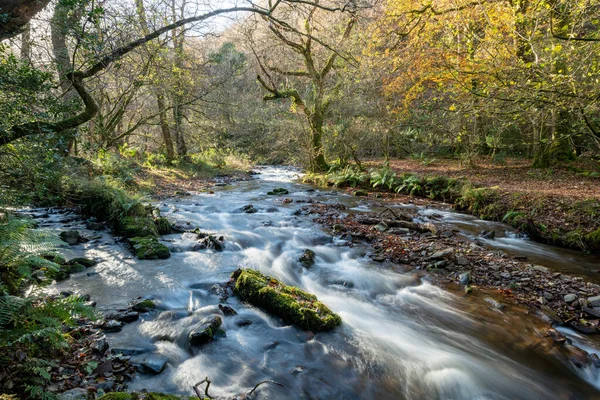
(101, 63)
(316, 69)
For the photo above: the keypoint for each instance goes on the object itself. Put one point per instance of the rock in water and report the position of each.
(74, 394)
(307, 259)
(249, 209)
(148, 248)
(465, 278)
(278, 191)
(204, 331)
(86, 262)
(290, 303)
(213, 243)
(153, 364)
(72, 237)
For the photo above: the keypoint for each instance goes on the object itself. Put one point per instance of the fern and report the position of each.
(384, 177)
(31, 328)
(411, 184)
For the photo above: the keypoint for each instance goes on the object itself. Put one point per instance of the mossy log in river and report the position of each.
(290, 303)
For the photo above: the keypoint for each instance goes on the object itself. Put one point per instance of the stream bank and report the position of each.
(544, 209)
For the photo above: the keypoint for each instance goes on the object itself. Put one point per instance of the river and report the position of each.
(402, 337)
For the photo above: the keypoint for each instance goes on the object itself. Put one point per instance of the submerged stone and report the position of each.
(293, 305)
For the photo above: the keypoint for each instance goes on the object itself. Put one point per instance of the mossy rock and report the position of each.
(138, 227)
(205, 331)
(361, 192)
(86, 262)
(148, 248)
(293, 305)
(278, 191)
(307, 259)
(55, 258)
(143, 306)
(76, 267)
(163, 226)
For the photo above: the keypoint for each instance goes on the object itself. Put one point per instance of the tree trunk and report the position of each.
(317, 162)
(160, 101)
(58, 33)
(178, 38)
(26, 43)
(164, 127)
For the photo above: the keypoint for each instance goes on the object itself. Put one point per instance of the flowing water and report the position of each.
(401, 338)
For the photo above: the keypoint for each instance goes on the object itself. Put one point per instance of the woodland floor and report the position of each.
(513, 175)
(162, 183)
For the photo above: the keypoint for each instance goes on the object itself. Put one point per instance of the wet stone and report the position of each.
(112, 326)
(249, 209)
(74, 394)
(99, 346)
(153, 364)
(226, 310)
(465, 278)
(72, 237)
(204, 331)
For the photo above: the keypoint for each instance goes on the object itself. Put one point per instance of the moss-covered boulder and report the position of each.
(278, 192)
(132, 227)
(163, 226)
(293, 305)
(148, 248)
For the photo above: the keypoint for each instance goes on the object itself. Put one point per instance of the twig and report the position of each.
(200, 396)
(260, 383)
(393, 213)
